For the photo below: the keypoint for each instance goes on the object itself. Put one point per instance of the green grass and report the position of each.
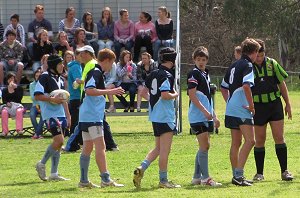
(134, 136)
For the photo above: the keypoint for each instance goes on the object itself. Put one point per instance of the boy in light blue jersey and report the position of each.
(236, 90)
(55, 113)
(91, 115)
(201, 115)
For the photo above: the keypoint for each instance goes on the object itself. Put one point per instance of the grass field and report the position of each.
(18, 157)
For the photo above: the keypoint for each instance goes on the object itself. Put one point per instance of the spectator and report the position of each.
(144, 68)
(11, 98)
(123, 33)
(145, 35)
(41, 47)
(110, 80)
(17, 27)
(237, 52)
(11, 54)
(44, 64)
(1, 31)
(36, 25)
(62, 44)
(106, 30)
(79, 39)
(126, 74)
(69, 24)
(35, 109)
(69, 56)
(164, 30)
(91, 30)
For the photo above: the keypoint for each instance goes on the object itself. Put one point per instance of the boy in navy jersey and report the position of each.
(236, 90)
(201, 115)
(162, 115)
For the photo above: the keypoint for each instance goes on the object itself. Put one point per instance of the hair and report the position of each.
(15, 16)
(69, 9)
(11, 32)
(77, 31)
(122, 11)
(38, 7)
(85, 25)
(250, 45)
(262, 45)
(238, 49)
(147, 16)
(106, 54)
(122, 55)
(40, 34)
(147, 54)
(200, 52)
(110, 19)
(59, 34)
(44, 57)
(165, 10)
(68, 52)
(10, 74)
(39, 69)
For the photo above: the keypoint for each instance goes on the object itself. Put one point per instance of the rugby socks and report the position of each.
(49, 152)
(145, 164)
(84, 168)
(163, 176)
(55, 161)
(203, 162)
(259, 155)
(238, 173)
(281, 152)
(105, 177)
(197, 173)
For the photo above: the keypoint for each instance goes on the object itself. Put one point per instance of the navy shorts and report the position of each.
(266, 112)
(57, 126)
(235, 122)
(161, 128)
(202, 127)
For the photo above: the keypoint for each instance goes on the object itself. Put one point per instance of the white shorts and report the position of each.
(92, 133)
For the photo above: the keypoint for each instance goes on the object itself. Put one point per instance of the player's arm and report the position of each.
(45, 98)
(285, 95)
(67, 112)
(100, 92)
(248, 94)
(225, 93)
(166, 95)
(195, 101)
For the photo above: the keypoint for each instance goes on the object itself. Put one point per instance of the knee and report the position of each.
(251, 142)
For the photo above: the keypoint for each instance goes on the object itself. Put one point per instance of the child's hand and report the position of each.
(208, 115)
(216, 122)
(117, 91)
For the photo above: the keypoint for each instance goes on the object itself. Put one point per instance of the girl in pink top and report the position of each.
(145, 35)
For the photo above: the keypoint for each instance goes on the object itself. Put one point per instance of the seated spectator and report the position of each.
(36, 25)
(145, 35)
(17, 27)
(144, 68)
(106, 29)
(62, 45)
(91, 30)
(123, 33)
(110, 80)
(79, 39)
(40, 48)
(126, 78)
(44, 64)
(237, 52)
(1, 31)
(11, 97)
(35, 109)
(164, 30)
(70, 24)
(11, 54)
(69, 57)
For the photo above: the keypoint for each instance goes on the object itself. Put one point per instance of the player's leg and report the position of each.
(259, 151)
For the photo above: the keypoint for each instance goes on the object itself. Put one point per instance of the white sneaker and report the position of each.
(111, 183)
(57, 178)
(258, 177)
(87, 185)
(41, 170)
(210, 182)
(168, 184)
(196, 181)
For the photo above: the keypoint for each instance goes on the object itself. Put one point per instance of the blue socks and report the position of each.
(84, 168)
(197, 173)
(145, 164)
(55, 162)
(49, 152)
(163, 176)
(203, 162)
(238, 173)
(105, 177)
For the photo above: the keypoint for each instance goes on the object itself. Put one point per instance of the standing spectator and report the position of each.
(40, 48)
(126, 74)
(106, 29)
(69, 24)
(11, 54)
(44, 64)
(91, 30)
(63, 45)
(145, 35)
(237, 52)
(79, 39)
(123, 33)
(17, 27)
(164, 30)
(36, 25)
(11, 97)
(144, 68)
(1, 31)
(35, 110)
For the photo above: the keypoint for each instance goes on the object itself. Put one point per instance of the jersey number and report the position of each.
(154, 86)
(231, 77)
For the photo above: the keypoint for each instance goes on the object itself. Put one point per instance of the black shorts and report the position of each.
(161, 128)
(266, 112)
(202, 127)
(235, 122)
(57, 126)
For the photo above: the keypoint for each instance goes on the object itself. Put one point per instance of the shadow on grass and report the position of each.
(21, 183)
(201, 187)
(73, 189)
(134, 190)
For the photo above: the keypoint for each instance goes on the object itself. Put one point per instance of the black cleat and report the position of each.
(240, 181)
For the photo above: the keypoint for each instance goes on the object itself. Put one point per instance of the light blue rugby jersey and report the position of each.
(239, 73)
(92, 107)
(45, 85)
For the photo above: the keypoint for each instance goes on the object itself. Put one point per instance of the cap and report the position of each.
(86, 48)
